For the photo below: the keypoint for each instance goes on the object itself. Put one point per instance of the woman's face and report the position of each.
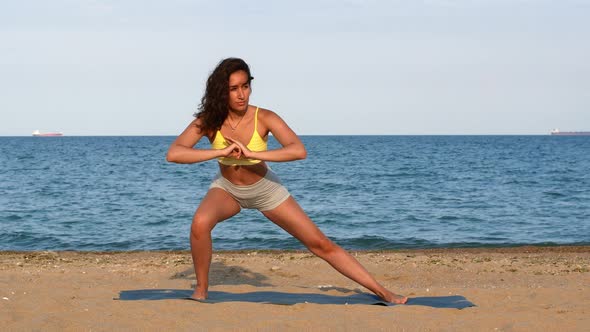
(239, 91)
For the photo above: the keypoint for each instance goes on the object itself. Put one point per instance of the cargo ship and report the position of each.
(557, 132)
(37, 133)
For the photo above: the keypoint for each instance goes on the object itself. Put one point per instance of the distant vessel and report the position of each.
(569, 133)
(37, 133)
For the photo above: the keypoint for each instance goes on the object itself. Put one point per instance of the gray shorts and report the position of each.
(266, 194)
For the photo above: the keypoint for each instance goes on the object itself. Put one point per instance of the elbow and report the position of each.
(302, 154)
(171, 156)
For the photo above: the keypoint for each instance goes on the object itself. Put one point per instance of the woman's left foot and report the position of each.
(395, 298)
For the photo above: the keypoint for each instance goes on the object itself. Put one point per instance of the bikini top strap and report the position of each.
(256, 120)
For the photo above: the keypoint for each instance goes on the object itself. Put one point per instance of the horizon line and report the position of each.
(300, 135)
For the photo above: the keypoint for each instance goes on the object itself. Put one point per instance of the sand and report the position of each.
(515, 289)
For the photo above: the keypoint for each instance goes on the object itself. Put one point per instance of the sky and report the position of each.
(349, 67)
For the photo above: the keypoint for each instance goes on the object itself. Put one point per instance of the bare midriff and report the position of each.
(243, 175)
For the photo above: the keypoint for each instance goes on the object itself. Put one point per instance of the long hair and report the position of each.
(214, 104)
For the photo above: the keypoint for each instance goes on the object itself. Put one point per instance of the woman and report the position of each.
(238, 133)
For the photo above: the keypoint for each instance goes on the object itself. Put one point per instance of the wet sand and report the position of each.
(515, 289)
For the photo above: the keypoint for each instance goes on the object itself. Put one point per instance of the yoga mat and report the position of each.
(455, 301)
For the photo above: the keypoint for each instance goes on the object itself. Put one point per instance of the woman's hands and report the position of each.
(239, 149)
(232, 150)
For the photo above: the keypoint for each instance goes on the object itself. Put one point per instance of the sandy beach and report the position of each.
(514, 289)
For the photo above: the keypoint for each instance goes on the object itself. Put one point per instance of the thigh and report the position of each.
(216, 206)
(291, 217)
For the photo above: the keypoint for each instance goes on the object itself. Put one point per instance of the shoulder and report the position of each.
(198, 122)
(272, 122)
(267, 116)
(196, 128)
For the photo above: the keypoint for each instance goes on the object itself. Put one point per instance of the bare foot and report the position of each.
(395, 298)
(199, 294)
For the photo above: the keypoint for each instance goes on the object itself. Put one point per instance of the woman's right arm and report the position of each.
(181, 151)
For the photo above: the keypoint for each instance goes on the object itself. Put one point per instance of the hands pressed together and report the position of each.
(236, 149)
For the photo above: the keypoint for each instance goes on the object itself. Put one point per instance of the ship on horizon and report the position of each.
(557, 132)
(37, 133)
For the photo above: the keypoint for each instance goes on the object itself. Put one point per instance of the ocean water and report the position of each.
(364, 192)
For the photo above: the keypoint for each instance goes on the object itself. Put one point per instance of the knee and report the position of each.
(201, 226)
(322, 247)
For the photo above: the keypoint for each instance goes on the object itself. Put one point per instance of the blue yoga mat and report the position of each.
(455, 301)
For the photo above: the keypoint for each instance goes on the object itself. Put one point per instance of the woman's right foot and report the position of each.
(199, 295)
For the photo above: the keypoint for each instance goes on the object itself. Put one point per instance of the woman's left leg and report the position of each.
(290, 217)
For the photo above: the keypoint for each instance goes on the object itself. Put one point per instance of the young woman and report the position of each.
(238, 133)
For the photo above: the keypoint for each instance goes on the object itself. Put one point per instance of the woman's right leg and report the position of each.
(216, 206)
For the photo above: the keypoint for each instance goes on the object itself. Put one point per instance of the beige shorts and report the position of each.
(266, 194)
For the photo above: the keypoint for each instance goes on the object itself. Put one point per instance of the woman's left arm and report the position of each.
(292, 147)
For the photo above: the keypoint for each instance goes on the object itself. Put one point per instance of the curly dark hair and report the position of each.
(214, 104)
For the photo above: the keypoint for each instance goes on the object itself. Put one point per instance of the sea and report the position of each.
(364, 192)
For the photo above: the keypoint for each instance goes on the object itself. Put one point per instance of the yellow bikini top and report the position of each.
(256, 144)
